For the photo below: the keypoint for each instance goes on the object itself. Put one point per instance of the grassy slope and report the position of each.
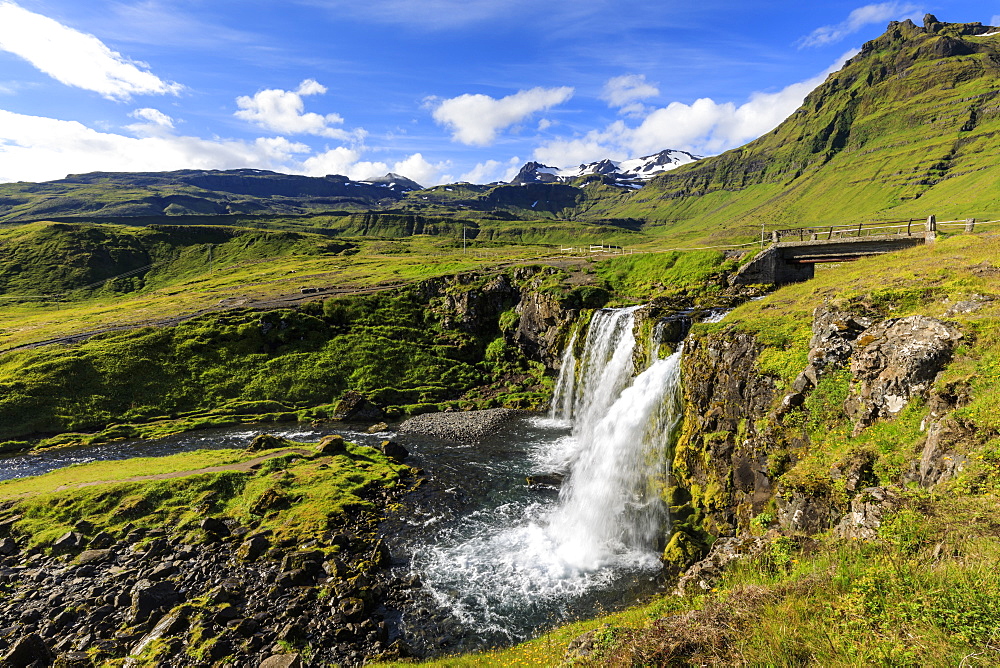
(247, 265)
(887, 137)
(317, 493)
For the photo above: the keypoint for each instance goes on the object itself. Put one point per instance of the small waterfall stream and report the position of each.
(518, 566)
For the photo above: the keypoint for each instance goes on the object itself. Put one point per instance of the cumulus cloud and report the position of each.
(858, 19)
(476, 120)
(154, 116)
(284, 111)
(75, 58)
(35, 148)
(628, 89)
(347, 162)
(422, 171)
(704, 127)
(154, 123)
(493, 170)
(995, 21)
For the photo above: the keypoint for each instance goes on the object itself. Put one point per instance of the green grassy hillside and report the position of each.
(904, 130)
(56, 258)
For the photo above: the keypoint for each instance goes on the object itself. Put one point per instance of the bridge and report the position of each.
(794, 254)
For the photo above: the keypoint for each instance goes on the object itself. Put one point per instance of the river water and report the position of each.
(502, 559)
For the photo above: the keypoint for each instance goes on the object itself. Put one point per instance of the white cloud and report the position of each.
(347, 162)
(629, 88)
(425, 173)
(284, 111)
(34, 148)
(493, 170)
(75, 58)
(858, 19)
(154, 116)
(995, 21)
(477, 119)
(704, 127)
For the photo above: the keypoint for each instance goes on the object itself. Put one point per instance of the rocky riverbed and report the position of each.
(239, 595)
(464, 427)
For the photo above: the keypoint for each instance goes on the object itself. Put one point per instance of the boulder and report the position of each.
(253, 547)
(73, 660)
(267, 442)
(332, 445)
(701, 577)
(803, 512)
(150, 597)
(355, 407)
(281, 661)
(101, 541)
(865, 517)
(8, 547)
(7, 524)
(93, 557)
(834, 333)
(28, 650)
(215, 527)
(894, 361)
(69, 541)
(545, 480)
(394, 450)
(941, 458)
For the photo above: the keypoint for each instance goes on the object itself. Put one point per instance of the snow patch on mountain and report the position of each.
(634, 172)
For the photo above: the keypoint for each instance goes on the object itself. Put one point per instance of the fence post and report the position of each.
(970, 226)
(931, 232)
(775, 237)
(909, 226)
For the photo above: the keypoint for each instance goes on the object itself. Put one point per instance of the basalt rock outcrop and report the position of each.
(743, 431)
(531, 319)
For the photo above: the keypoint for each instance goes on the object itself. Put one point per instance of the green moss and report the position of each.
(317, 494)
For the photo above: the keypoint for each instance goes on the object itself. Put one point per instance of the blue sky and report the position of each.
(439, 90)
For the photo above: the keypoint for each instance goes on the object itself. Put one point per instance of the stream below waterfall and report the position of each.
(500, 561)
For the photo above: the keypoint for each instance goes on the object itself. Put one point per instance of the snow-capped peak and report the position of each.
(635, 171)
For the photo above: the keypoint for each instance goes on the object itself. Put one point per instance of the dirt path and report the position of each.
(245, 467)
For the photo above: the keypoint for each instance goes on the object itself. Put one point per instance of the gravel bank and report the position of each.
(468, 426)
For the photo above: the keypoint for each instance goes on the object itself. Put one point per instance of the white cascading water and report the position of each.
(609, 516)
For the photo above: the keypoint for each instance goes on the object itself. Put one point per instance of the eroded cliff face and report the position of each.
(745, 432)
(532, 319)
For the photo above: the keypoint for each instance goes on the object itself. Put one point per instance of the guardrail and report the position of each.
(908, 228)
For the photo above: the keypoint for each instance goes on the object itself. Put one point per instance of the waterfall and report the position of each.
(562, 396)
(609, 518)
(611, 503)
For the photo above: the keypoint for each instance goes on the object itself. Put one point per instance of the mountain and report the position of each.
(395, 182)
(194, 192)
(906, 128)
(633, 173)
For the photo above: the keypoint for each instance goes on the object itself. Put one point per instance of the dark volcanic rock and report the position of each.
(355, 407)
(332, 445)
(267, 442)
(149, 597)
(29, 650)
(394, 450)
